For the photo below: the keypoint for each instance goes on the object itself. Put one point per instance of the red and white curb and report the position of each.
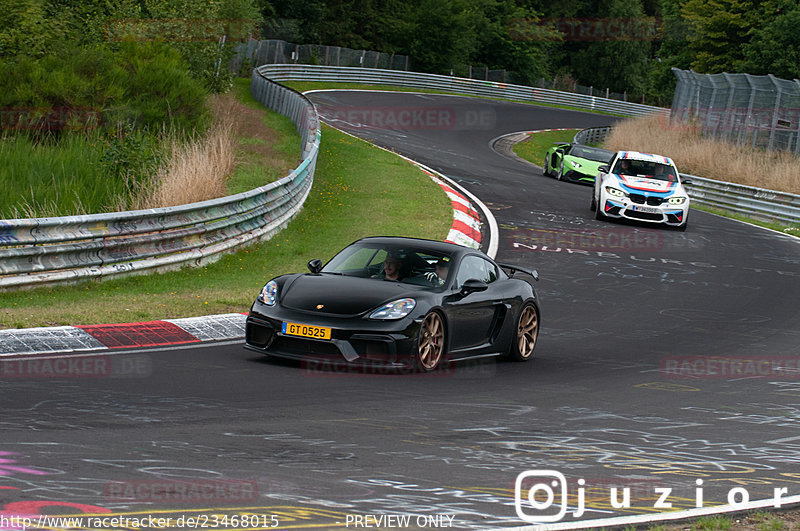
(92, 338)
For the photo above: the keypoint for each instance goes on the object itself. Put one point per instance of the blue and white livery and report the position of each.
(643, 187)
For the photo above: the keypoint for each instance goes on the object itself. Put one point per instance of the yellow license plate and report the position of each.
(301, 330)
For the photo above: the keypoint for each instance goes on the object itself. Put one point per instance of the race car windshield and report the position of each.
(644, 168)
(596, 155)
(406, 265)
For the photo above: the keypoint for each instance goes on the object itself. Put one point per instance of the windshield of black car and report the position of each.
(408, 265)
(597, 155)
(644, 168)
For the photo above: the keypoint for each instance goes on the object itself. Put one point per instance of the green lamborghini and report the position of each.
(575, 162)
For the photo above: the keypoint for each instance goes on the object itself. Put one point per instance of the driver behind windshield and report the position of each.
(392, 267)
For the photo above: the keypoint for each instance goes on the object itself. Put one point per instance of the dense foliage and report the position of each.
(90, 90)
(623, 45)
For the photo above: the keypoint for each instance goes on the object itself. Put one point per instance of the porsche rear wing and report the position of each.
(514, 268)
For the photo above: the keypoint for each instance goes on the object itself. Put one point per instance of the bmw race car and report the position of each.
(642, 187)
(575, 162)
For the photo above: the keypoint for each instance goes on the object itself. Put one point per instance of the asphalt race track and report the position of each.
(664, 358)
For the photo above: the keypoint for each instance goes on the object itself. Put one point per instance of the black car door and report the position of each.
(472, 316)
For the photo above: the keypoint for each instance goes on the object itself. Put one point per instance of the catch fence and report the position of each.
(746, 110)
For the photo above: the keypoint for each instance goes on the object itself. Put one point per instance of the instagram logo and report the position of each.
(540, 486)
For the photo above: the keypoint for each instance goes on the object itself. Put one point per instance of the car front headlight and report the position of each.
(269, 293)
(613, 191)
(394, 310)
(677, 200)
(576, 165)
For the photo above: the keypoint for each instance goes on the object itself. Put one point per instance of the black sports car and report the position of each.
(398, 302)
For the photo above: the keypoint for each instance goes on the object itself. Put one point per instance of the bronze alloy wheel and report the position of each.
(430, 349)
(527, 332)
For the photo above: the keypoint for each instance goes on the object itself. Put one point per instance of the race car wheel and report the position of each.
(560, 174)
(598, 213)
(546, 165)
(682, 226)
(430, 343)
(526, 334)
(593, 204)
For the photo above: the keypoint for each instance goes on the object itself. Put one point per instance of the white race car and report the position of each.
(643, 187)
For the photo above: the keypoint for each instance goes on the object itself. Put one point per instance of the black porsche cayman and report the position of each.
(397, 302)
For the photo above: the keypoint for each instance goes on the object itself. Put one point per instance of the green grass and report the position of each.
(535, 147)
(359, 190)
(253, 170)
(713, 523)
(54, 178)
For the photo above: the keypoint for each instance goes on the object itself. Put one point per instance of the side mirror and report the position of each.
(472, 285)
(686, 181)
(315, 265)
(603, 169)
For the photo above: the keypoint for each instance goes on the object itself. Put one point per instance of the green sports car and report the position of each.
(575, 162)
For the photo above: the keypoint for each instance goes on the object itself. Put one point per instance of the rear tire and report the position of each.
(526, 333)
(593, 204)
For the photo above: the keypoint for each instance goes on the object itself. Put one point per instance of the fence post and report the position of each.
(774, 124)
(750, 110)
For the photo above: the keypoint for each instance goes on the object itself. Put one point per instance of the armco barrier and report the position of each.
(65, 249)
(756, 203)
(469, 87)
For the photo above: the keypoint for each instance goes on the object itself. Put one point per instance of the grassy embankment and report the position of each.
(359, 190)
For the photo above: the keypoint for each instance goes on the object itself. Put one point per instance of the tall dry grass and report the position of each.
(706, 157)
(197, 168)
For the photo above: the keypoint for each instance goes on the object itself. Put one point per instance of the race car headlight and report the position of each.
(613, 191)
(269, 293)
(394, 310)
(677, 200)
(576, 165)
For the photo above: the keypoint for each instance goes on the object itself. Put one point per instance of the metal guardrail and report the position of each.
(592, 135)
(756, 203)
(66, 249)
(469, 87)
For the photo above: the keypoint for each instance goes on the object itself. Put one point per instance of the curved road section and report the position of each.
(667, 369)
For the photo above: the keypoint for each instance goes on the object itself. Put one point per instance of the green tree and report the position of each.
(513, 39)
(671, 52)
(775, 47)
(616, 59)
(25, 28)
(718, 31)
